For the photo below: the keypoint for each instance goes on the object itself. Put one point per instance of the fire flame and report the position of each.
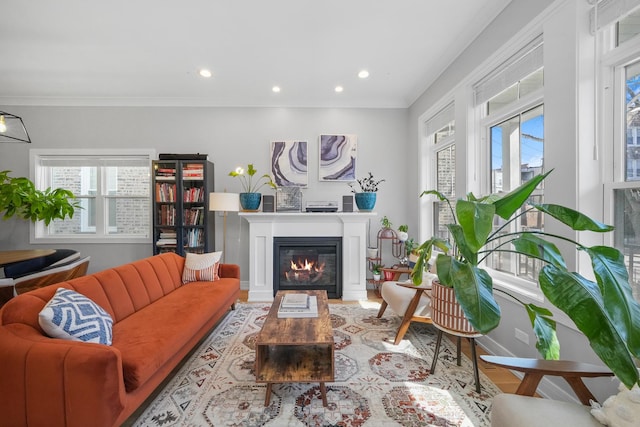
(305, 270)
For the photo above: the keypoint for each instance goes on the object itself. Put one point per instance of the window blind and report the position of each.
(440, 120)
(610, 11)
(97, 161)
(526, 61)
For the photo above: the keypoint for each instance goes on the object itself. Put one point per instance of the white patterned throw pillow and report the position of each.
(71, 315)
(201, 267)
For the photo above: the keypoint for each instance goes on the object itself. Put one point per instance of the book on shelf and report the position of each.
(295, 312)
(193, 171)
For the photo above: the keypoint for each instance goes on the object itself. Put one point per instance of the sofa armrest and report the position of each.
(230, 271)
(54, 382)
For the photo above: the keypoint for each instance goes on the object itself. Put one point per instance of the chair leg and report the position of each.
(476, 374)
(383, 307)
(459, 351)
(435, 352)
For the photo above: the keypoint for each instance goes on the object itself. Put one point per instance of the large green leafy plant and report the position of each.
(604, 311)
(19, 197)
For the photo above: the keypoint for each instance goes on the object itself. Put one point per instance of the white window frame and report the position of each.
(37, 234)
(509, 282)
(428, 169)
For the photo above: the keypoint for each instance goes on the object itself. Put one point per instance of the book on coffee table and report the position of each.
(293, 300)
(291, 312)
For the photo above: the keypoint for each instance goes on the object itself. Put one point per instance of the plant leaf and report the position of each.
(574, 219)
(533, 246)
(545, 329)
(424, 255)
(512, 201)
(582, 301)
(461, 243)
(436, 193)
(476, 220)
(613, 280)
(474, 292)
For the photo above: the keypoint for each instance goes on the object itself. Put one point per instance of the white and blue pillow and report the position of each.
(71, 315)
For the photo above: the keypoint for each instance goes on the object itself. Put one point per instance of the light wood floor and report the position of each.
(502, 378)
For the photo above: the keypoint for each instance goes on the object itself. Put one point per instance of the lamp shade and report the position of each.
(226, 202)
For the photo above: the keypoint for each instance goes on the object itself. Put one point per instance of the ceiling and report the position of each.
(148, 52)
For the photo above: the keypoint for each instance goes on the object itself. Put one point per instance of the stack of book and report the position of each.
(193, 171)
(166, 238)
(298, 305)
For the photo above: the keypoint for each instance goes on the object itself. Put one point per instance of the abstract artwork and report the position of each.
(289, 163)
(338, 157)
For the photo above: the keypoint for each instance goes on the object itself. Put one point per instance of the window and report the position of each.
(618, 22)
(113, 191)
(624, 192)
(511, 110)
(440, 132)
(517, 148)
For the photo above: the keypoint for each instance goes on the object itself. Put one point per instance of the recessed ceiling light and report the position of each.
(363, 74)
(276, 89)
(204, 73)
(339, 89)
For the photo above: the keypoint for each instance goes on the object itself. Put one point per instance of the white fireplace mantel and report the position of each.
(351, 226)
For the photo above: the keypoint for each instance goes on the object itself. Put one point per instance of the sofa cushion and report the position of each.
(150, 337)
(201, 267)
(73, 316)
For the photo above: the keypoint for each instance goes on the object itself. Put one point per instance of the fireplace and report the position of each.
(303, 263)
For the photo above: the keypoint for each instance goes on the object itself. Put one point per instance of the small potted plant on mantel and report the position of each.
(250, 197)
(604, 310)
(366, 197)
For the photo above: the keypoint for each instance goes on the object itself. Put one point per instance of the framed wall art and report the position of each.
(289, 163)
(338, 157)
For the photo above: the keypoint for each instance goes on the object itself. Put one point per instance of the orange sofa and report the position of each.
(156, 322)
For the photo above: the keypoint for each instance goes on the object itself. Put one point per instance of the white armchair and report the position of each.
(409, 301)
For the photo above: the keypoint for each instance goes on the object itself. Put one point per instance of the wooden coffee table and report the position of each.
(297, 350)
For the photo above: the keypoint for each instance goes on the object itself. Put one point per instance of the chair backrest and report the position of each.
(52, 275)
(23, 268)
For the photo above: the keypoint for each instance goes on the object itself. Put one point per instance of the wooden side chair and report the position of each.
(407, 300)
(45, 277)
(524, 410)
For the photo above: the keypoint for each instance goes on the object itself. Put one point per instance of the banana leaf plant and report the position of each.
(604, 311)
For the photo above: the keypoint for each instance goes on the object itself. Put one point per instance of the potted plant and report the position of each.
(20, 197)
(366, 197)
(250, 197)
(403, 234)
(376, 270)
(604, 311)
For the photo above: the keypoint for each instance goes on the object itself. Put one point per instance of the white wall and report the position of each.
(231, 137)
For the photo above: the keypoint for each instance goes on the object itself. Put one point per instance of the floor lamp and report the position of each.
(224, 202)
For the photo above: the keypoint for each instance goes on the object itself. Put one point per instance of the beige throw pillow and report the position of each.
(201, 267)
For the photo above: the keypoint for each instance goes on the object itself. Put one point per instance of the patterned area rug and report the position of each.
(377, 383)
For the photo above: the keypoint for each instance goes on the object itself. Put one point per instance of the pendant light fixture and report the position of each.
(12, 128)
